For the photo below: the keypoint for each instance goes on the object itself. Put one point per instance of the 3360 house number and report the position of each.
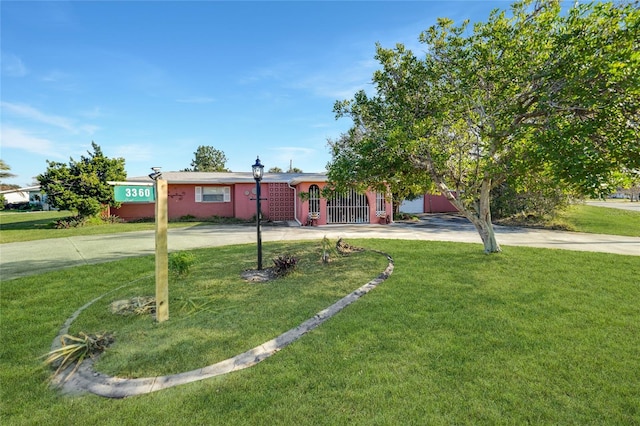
(137, 192)
(134, 194)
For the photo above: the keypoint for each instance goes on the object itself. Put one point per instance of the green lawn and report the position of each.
(601, 220)
(30, 226)
(529, 336)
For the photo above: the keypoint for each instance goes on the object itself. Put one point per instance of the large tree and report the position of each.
(208, 159)
(82, 186)
(532, 95)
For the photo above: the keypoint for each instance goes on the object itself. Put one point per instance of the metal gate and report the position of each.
(349, 207)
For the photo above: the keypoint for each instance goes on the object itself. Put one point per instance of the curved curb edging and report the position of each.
(85, 379)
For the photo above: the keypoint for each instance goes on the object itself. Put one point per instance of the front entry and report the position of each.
(349, 207)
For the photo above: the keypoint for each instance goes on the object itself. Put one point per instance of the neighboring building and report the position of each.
(429, 203)
(31, 195)
(204, 194)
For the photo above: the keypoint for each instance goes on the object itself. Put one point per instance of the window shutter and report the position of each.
(198, 194)
(227, 194)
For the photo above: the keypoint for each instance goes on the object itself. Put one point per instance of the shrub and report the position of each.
(180, 262)
(70, 222)
(112, 219)
(284, 264)
(143, 220)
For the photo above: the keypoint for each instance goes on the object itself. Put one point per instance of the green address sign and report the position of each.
(134, 194)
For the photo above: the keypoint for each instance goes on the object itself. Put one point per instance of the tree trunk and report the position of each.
(481, 217)
(487, 234)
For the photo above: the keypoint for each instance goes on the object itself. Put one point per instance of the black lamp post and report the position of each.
(258, 171)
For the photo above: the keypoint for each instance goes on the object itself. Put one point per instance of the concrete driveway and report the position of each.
(35, 257)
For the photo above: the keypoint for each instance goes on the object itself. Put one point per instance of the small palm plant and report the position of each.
(325, 250)
(75, 349)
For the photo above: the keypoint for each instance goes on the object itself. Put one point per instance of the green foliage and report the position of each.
(2, 201)
(81, 186)
(70, 222)
(111, 219)
(406, 217)
(180, 262)
(208, 159)
(534, 96)
(326, 248)
(507, 202)
(4, 170)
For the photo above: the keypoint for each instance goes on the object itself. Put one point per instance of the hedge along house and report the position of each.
(288, 197)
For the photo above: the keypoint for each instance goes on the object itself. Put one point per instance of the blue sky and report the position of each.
(152, 81)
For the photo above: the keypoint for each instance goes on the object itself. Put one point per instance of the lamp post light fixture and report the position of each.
(258, 172)
(156, 173)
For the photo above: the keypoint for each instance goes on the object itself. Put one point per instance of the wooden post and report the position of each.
(162, 256)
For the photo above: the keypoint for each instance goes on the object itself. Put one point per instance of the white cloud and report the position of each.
(54, 76)
(30, 113)
(12, 65)
(95, 112)
(15, 138)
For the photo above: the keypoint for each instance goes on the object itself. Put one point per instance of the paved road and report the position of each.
(34, 257)
(616, 204)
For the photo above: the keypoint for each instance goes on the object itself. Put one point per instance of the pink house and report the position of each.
(286, 197)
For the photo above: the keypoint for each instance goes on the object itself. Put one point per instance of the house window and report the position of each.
(314, 200)
(213, 194)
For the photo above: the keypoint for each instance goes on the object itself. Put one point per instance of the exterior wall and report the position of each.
(245, 208)
(181, 201)
(16, 196)
(376, 216)
(303, 206)
(134, 211)
(438, 204)
(242, 205)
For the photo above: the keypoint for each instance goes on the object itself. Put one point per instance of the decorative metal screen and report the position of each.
(314, 200)
(281, 202)
(349, 207)
(380, 204)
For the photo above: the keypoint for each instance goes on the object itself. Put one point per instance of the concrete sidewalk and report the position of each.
(35, 257)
